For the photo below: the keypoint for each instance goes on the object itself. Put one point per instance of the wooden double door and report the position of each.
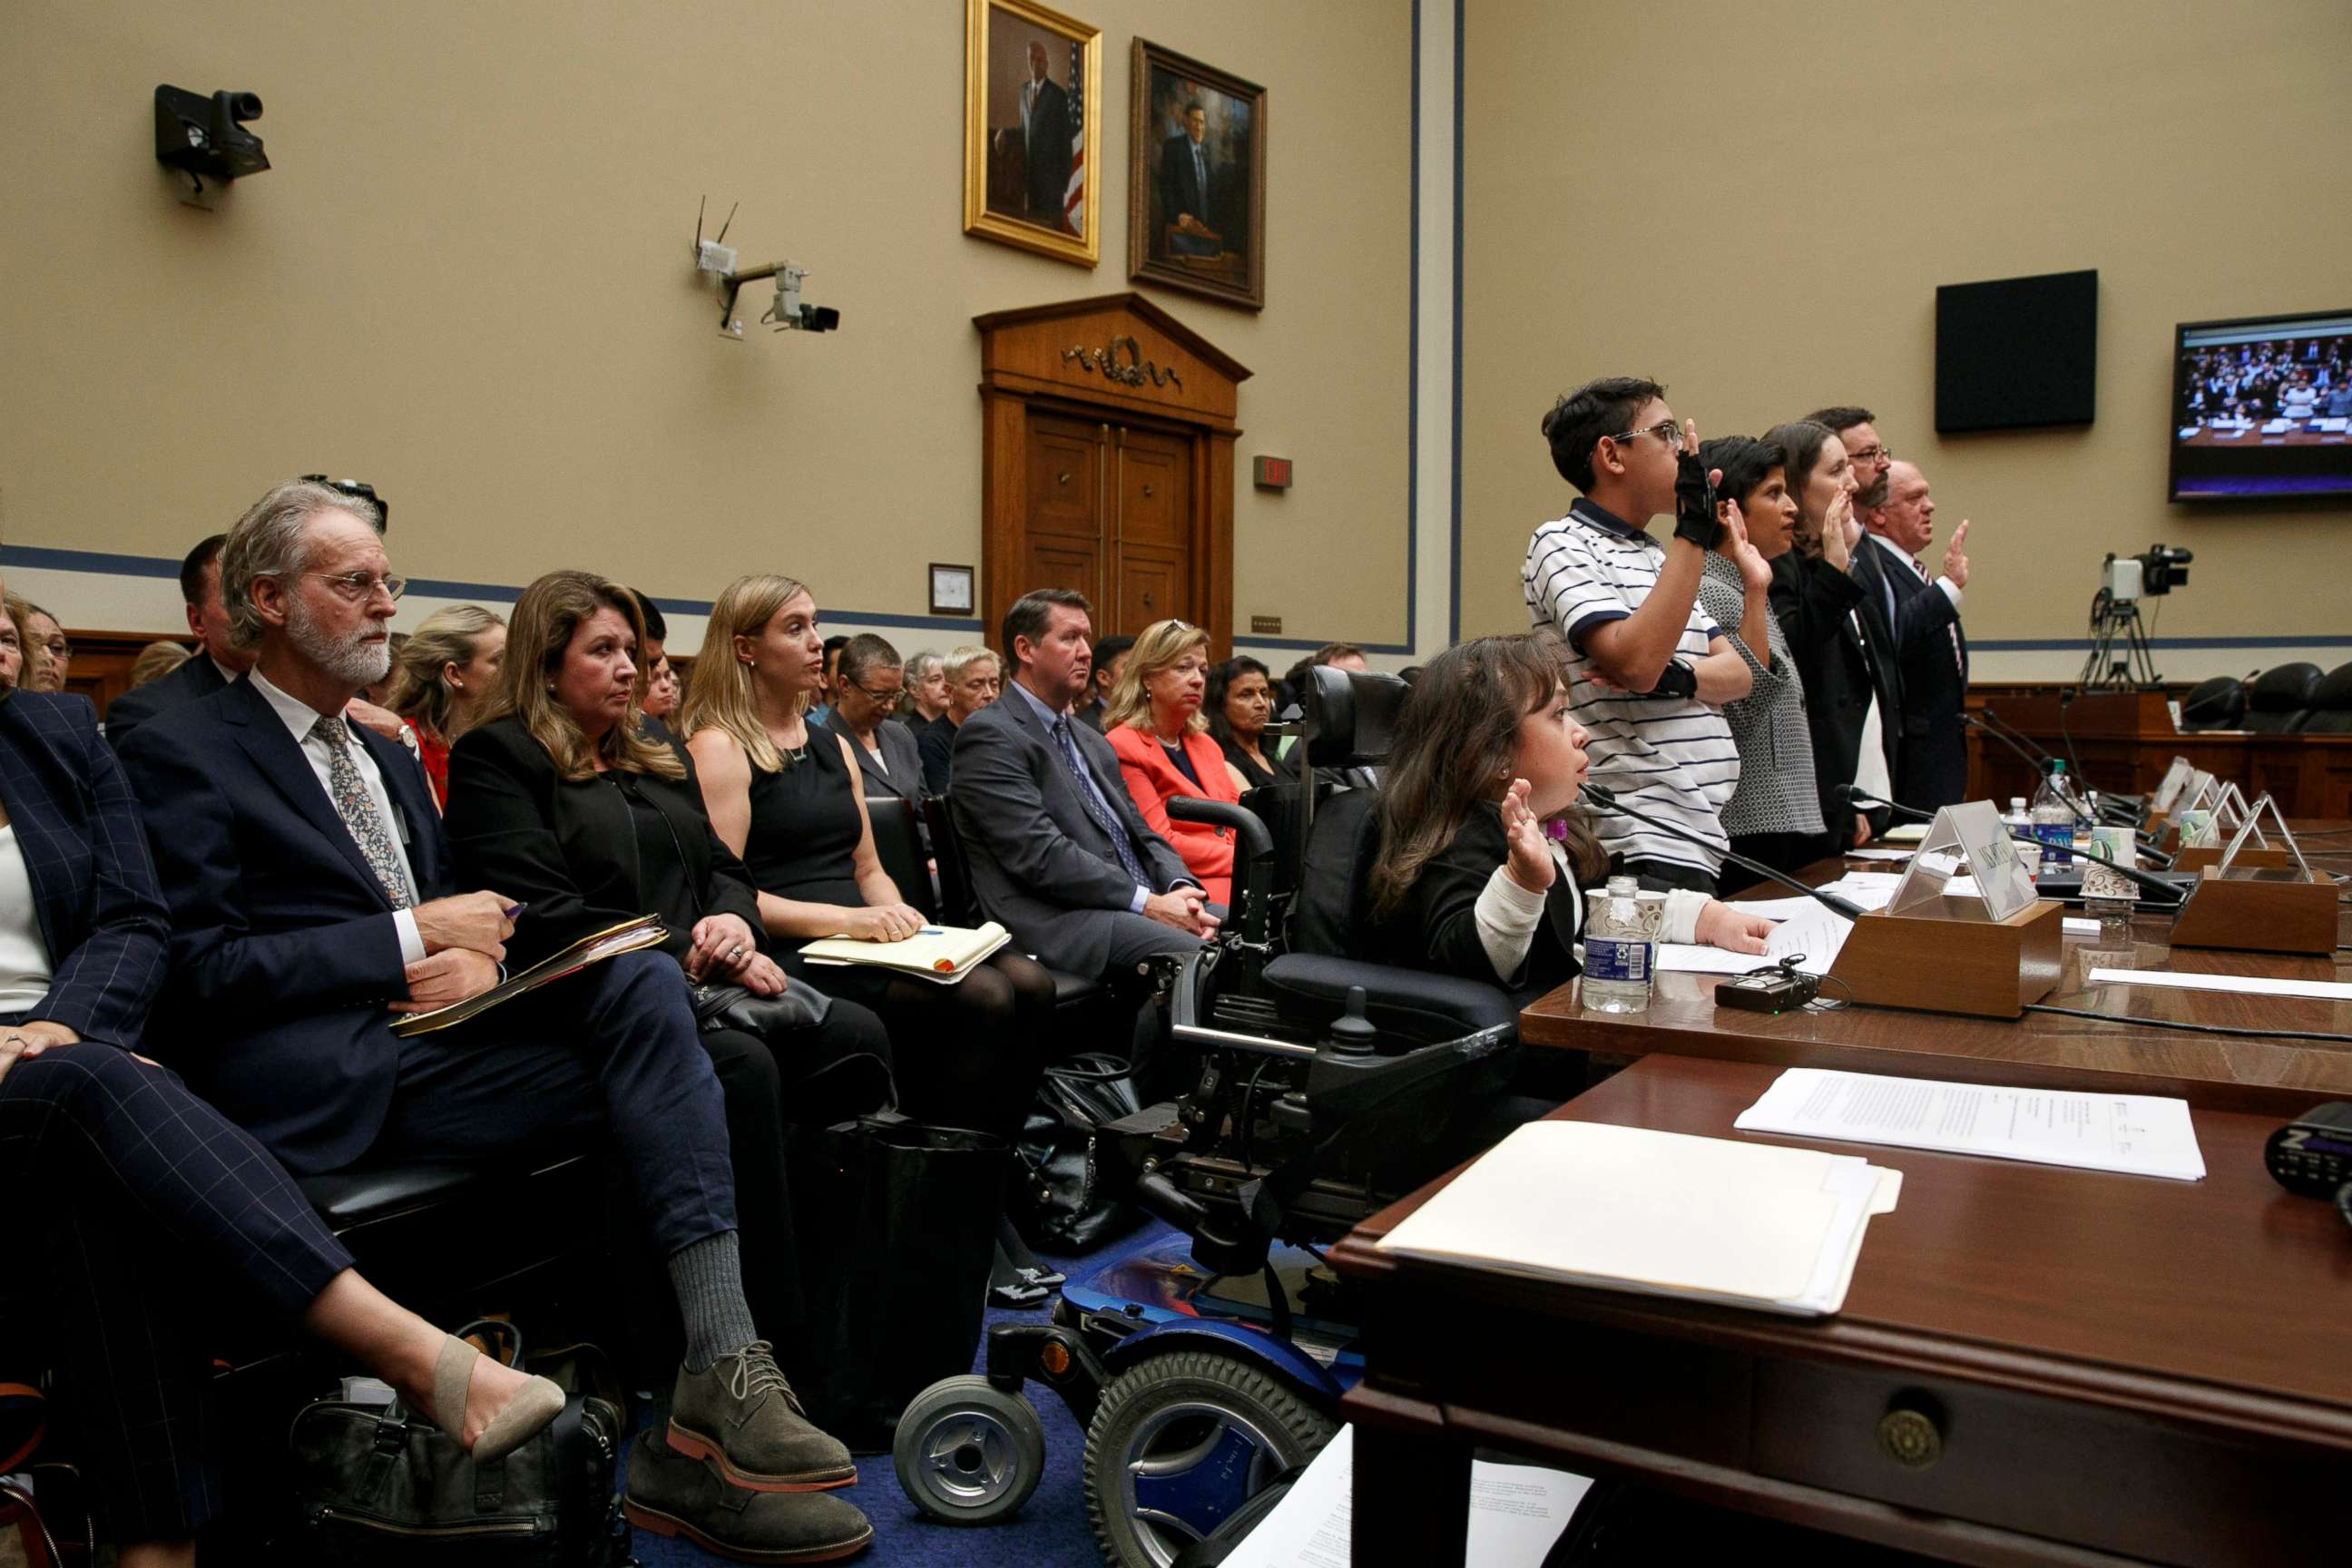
(1109, 513)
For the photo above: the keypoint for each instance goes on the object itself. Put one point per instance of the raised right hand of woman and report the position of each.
(1530, 865)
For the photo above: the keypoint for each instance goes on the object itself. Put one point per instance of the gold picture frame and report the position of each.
(1009, 194)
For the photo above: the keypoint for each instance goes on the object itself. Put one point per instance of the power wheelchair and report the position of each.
(1319, 1088)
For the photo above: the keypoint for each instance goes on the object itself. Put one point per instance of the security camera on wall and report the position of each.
(200, 135)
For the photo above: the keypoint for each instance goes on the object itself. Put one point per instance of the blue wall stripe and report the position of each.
(2082, 644)
(42, 559)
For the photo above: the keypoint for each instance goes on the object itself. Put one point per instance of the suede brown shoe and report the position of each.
(743, 1417)
(671, 1495)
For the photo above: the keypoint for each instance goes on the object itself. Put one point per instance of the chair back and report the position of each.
(2331, 705)
(2280, 699)
(898, 844)
(2216, 704)
(958, 906)
(1351, 716)
(1335, 881)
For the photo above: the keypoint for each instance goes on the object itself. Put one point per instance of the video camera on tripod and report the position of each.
(2123, 581)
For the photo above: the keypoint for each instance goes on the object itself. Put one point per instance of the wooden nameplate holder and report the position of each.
(2204, 855)
(1957, 959)
(2283, 911)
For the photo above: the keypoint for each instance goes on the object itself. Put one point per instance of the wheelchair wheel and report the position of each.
(1181, 1440)
(967, 1452)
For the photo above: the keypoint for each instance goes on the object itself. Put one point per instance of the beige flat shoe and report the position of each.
(534, 1405)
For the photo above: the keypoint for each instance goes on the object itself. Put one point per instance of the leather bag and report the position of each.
(1059, 1203)
(378, 1487)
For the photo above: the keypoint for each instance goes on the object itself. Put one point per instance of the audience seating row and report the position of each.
(2287, 699)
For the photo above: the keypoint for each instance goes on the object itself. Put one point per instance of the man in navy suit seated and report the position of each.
(311, 906)
(1058, 852)
(217, 661)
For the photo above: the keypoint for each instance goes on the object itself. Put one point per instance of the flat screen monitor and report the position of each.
(2261, 407)
(2017, 353)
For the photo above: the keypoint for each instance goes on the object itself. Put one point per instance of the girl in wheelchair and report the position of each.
(1484, 855)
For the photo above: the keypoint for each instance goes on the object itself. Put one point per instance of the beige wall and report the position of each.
(1756, 210)
(467, 279)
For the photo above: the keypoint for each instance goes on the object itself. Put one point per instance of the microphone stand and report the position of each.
(2173, 895)
(1992, 726)
(1608, 801)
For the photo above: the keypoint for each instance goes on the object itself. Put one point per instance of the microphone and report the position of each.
(2130, 873)
(1607, 800)
(2039, 762)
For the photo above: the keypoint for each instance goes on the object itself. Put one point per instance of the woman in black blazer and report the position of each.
(145, 1191)
(1481, 853)
(560, 801)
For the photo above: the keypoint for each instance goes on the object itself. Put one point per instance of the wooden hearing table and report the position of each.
(2095, 1368)
(2273, 1077)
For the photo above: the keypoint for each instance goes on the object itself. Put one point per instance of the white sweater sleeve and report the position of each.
(1680, 924)
(1507, 915)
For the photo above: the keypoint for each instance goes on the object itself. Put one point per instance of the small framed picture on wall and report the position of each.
(1031, 97)
(950, 590)
(1196, 178)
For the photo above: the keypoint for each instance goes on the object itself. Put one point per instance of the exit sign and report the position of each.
(1272, 473)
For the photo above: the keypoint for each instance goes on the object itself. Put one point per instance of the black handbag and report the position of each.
(726, 1005)
(1058, 1201)
(897, 1228)
(379, 1488)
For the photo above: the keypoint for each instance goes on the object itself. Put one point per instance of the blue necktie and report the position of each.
(1201, 172)
(1096, 807)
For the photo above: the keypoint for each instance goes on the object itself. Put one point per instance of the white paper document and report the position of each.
(2247, 985)
(2136, 1134)
(2078, 925)
(1517, 1513)
(1809, 932)
(1877, 853)
(1663, 1213)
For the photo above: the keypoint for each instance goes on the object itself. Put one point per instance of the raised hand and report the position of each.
(1956, 560)
(1755, 571)
(1837, 543)
(1530, 864)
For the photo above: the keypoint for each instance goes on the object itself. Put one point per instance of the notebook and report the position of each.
(1625, 1209)
(629, 936)
(943, 953)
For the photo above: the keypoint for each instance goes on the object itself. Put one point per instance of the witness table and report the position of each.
(2106, 1368)
(2271, 1077)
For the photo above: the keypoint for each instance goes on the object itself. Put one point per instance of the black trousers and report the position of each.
(153, 1211)
(967, 1055)
(1663, 876)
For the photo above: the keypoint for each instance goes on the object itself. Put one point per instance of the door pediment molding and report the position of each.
(1116, 350)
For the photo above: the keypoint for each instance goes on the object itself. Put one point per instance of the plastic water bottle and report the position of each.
(1619, 955)
(2054, 819)
(2016, 821)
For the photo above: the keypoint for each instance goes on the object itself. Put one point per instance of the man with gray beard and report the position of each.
(312, 906)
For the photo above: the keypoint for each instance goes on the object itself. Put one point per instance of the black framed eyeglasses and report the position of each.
(1665, 430)
(880, 699)
(1871, 455)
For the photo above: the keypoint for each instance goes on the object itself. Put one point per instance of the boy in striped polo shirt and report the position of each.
(1648, 669)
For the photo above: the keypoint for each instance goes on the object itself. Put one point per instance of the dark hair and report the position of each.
(1220, 680)
(863, 652)
(192, 569)
(1578, 421)
(1457, 736)
(1033, 612)
(1744, 463)
(1332, 652)
(1110, 649)
(1840, 417)
(656, 628)
(1801, 440)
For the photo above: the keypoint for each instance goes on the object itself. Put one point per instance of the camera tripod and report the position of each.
(2108, 669)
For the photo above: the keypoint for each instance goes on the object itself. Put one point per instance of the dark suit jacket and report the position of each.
(1436, 927)
(568, 848)
(1046, 144)
(904, 775)
(196, 678)
(1180, 185)
(1934, 762)
(101, 917)
(936, 747)
(1842, 671)
(1040, 863)
(284, 950)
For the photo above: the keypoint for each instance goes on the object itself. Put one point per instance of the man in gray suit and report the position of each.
(1058, 852)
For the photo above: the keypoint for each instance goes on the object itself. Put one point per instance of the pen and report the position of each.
(514, 910)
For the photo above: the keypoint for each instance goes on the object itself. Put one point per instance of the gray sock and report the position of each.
(709, 1279)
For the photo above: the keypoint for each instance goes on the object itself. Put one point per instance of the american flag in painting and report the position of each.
(1074, 199)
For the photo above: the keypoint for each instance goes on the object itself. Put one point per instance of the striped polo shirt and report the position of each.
(1672, 757)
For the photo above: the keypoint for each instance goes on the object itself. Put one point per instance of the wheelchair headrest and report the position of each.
(1336, 887)
(1351, 716)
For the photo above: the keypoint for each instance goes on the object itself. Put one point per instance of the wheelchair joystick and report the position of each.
(1352, 1034)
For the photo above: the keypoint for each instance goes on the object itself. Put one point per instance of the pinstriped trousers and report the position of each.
(139, 1192)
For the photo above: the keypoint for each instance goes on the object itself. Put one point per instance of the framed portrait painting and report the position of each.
(1196, 182)
(1031, 97)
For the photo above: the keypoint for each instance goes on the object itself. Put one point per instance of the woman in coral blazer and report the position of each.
(1164, 747)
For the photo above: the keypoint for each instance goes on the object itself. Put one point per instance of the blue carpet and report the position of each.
(1051, 1531)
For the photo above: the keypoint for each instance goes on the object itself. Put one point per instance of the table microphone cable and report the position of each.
(2173, 897)
(2237, 1031)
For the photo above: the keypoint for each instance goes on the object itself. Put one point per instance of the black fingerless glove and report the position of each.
(1694, 502)
(1677, 679)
